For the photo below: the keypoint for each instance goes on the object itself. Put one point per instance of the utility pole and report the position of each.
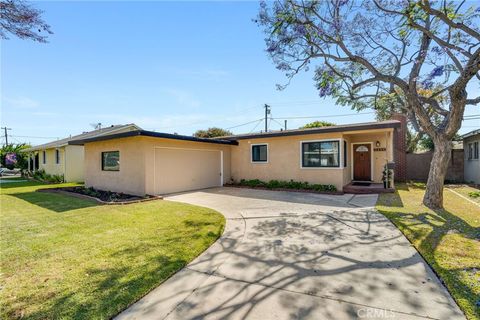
(285, 124)
(6, 134)
(267, 112)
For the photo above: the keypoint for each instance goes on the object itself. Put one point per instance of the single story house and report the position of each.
(471, 165)
(144, 162)
(60, 158)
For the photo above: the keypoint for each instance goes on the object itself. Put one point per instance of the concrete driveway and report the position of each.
(287, 255)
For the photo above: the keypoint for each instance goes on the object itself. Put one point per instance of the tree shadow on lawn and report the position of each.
(19, 183)
(106, 291)
(432, 227)
(54, 202)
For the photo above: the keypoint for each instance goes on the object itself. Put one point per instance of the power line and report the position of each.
(281, 125)
(258, 122)
(267, 112)
(327, 116)
(34, 137)
(6, 134)
(243, 124)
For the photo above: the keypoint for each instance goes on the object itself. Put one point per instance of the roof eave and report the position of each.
(389, 125)
(153, 135)
(470, 134)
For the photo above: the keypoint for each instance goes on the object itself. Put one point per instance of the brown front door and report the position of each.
(361, 162)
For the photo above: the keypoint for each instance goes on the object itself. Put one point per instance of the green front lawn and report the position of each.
(64, 257)
(467, 191)
(448, 239)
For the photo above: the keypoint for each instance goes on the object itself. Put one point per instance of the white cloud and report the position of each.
(21, 103)
(183, 97)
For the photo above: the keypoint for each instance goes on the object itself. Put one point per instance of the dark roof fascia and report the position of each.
(153, 134)
(317, 130)
(470, 134)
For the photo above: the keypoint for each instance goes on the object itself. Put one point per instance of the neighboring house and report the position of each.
(471, 164)
(60, 158)
(144, 162)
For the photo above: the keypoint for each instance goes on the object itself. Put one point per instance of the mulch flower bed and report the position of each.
(101, 196)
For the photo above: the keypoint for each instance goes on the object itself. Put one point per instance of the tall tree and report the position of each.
(212, 133)
(369, 48)
(317, 124)
(19, 18)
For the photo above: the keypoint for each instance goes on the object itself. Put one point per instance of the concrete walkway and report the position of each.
(287, 255)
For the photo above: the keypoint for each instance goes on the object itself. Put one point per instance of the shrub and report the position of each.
(252, 183)
(294, 185)
(41, 175)
(474, 194)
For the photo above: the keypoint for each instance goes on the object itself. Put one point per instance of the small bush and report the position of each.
(294, 185)
(474, 194)
(252, 183)
(41, 175)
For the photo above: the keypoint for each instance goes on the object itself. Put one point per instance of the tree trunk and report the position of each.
(433, 197)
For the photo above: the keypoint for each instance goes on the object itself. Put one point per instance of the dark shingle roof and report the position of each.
(150, 134)
(298, 132)
(85, 135)
(471, 133)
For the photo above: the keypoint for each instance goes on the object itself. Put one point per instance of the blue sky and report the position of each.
(170, 67)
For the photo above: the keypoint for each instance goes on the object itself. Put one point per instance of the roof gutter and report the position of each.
(152, 134)
(390, 125)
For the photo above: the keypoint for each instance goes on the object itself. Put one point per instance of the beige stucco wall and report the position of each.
(74, 163)
(347, 169)
(471, 167)
(51, 167)
(137, 155)
(137, 160)
(379, 158)
(131, 177)
(284, 160)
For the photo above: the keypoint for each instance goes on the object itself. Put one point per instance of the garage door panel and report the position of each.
(179, 170)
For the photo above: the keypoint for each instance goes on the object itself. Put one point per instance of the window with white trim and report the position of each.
(44, 157)
(321, 154)
(57, 156)
(259, 153)
(473, 152)
(111, 161)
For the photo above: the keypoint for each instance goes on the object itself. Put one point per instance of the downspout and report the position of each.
(65, 164)
(389, 156)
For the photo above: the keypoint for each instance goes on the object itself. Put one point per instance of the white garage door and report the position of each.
(179, 170)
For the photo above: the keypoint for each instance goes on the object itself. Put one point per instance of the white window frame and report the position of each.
(340, 154)
(352, 164)
(472, 146)
(251, 153)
